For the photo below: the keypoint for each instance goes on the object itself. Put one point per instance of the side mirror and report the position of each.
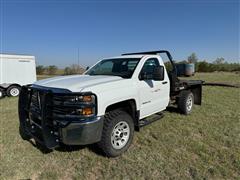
(87, 68)
(145, 76)
(158, 73)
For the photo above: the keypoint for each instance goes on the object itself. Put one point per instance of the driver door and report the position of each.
(154, 95)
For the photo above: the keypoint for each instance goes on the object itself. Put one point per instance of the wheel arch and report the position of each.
(15, 84)
(129, 106)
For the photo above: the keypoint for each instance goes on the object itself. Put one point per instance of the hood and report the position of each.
(76, 83)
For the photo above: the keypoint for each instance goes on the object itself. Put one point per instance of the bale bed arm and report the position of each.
(154, 53)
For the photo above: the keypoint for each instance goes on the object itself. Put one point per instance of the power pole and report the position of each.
(78, 57)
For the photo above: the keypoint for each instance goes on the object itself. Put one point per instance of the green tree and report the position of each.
(220, 60)
(192, 58)
(52, 69)
(168, 66)
(202, 66)
(40, 69)
(73, 69)
(67, 71)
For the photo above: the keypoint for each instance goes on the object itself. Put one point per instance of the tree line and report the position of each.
(49, 70)
(220, 64)
(53, 70)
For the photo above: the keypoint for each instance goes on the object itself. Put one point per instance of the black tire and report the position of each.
(13, 91)
(111, 120)
(2, 93)
(22, 120)
(183, 102)
(24, 135)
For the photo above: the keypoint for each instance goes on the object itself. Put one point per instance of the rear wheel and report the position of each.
(185, 102)
(13, 91)
(117, 133)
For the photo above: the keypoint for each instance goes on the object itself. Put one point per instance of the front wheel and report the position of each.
(117, 135)
(23, 133)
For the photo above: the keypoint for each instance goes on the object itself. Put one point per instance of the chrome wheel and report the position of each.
(189, 103)
(120, 135)
(14, 92)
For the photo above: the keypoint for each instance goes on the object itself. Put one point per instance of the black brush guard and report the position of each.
(46, 122)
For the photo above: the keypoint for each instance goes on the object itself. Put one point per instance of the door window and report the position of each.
(149, 66)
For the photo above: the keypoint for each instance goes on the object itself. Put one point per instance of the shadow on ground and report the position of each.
(172, 109)
(93, 147)
(66, 148)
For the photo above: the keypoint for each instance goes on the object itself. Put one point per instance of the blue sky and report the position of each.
(54, 30)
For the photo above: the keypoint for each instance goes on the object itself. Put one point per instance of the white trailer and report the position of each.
(16, 71)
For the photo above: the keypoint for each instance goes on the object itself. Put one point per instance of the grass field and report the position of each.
(203, 145)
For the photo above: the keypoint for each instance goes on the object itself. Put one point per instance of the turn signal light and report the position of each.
(87, 111)
(87, 98)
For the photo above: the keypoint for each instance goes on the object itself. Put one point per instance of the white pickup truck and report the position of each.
(106, 104)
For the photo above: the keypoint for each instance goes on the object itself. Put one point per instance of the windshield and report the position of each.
(123, 67)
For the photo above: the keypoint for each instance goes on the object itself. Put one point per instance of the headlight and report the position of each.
(86, 111)
(85, 98)
(83, 105)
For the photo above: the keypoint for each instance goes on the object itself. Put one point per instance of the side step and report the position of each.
(150, 119)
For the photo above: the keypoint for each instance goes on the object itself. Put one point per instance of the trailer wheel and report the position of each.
(13, 91)
(2, 93)
(185, 102)
(117, 135)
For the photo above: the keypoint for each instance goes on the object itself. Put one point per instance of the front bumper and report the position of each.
(81, 133)
(39, 121)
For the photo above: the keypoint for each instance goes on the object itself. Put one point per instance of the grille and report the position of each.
(64, 105)
(56, 107)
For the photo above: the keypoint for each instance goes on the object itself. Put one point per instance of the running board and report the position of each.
(150, 119)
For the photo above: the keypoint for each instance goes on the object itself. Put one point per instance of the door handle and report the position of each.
(156, 90)
(165, 82)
